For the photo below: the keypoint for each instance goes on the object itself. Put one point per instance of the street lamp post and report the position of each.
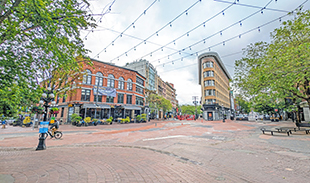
(47, 97)
(223, 113)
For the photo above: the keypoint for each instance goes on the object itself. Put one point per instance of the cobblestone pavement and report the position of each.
(157, 151)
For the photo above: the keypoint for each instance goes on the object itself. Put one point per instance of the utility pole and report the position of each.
(195, 98)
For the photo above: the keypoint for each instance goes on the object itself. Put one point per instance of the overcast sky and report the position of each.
(203, 27)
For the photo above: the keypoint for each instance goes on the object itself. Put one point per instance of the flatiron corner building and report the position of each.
(214, 81)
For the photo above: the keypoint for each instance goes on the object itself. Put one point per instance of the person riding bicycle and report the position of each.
(54, 125)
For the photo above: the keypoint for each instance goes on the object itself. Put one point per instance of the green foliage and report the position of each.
(245, 106)
(138, 118)
(143, 117)
(39, 39)
(87, 119)
(278, 70)
(165, 104)
(190, 109)
(125, 120)
(95, 120)
(75, 118)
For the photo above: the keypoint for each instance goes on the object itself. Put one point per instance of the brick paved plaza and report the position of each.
(157, 151)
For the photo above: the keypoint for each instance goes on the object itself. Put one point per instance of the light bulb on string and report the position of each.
(133, 25)
(190, 48)
(85, 38)
(221, 33)
(156, 33)
(240, 36)
(134, 49)
(280, 19)
(162, 49)
(144, 12)
(98, 56)
(223, 13)
(170, 24)
(174, 42)
(258, 29)
(144, 42)
(204, 24)
(105, 50)
(240, 23)
(262, 12)
(223, 43)
(92, 30)
(126, 53)
(186, 13)
(179, 52)
(121, 35)
(151, 54)
(204, 41)
(196, 53)
(172, 62)
(112, 43)
(117, 58)
(168, 56)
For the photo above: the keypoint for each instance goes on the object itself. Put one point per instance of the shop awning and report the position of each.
(132, 107)
(102, 106)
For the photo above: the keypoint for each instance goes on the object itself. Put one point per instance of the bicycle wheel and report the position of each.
(57, 135)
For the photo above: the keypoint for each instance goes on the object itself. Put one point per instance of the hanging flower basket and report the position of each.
(54, 110)
(38, 110)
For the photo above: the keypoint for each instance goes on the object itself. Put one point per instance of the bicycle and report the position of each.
(57, 134)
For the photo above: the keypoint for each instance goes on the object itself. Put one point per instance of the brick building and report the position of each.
(120, 93)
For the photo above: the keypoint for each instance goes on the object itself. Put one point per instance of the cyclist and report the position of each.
(54, 125)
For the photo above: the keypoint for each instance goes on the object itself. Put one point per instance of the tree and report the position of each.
(245, 106)
(165, 104)
(280, 69)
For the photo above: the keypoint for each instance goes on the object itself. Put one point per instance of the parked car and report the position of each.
(241, 117)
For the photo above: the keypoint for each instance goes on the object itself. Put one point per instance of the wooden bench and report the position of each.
(293, 129)
(275, 131)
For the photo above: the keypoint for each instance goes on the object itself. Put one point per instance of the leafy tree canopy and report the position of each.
(280, 69)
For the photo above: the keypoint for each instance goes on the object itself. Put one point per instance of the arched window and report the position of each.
(99, 79)
(111, 81)
(87, 77)
(121, 83)
(129, 84)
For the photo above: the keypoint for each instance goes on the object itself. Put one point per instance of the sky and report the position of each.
(172, 33)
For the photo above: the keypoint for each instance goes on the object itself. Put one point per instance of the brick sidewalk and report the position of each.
(159, 151)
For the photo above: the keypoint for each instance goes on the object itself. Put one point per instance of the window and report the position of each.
(87, 77)
(99, 98)
(62, 112)
(139, 101)
(129, 84)
(85, 95)
(64, 97)
(110, 99)
(57, 100)
(120, 98)
(111, 81)
(140, 81)
(210, 101)
(208, 64)
(121, 83)
(99, 79)
(209, 83)
(210, 92)
(139, 89)
(129, 99)
(208, 74)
